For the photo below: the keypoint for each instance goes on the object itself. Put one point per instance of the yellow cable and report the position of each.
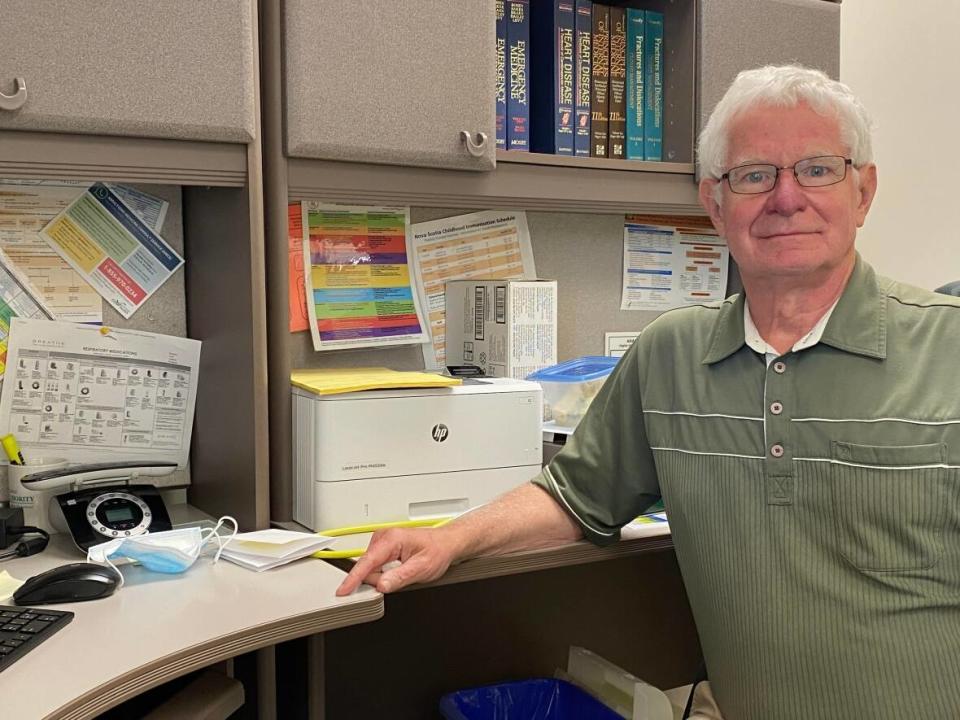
(361, 529)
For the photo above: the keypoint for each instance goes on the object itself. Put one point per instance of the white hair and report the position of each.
(785, 86)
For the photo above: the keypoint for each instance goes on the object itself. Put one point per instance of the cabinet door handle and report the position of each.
(474, 147)
(15, 101)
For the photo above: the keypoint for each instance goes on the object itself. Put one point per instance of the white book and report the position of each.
(265, 549)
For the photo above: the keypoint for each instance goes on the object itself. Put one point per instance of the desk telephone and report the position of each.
(96, 514)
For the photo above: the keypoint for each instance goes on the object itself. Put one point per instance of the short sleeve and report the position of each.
(605, 475)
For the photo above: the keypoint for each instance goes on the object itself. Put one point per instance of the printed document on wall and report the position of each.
(667, 267)
(488, 245)
(357, 273)
(296, 286)
(18, 298)
(107, 242)
(92, 393)
(26, 206)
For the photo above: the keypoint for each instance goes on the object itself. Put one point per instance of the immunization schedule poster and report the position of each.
(358, 277)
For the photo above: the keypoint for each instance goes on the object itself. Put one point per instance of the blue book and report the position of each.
(635, 80)
(518, 68)
(653, 86)
(583, 34)
(501, 75)
(552, 85)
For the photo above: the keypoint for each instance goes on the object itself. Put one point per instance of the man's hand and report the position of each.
(424, 555)
(525, 518)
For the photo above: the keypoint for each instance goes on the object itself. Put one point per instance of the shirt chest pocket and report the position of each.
(890, 504)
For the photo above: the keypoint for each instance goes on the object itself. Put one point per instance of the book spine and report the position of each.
(583, 36)
(635, 103)
(518, 67)
(502, 74)
(600, 88)
(565, 84)
(618, 84)
(653, 86)
(551, 35)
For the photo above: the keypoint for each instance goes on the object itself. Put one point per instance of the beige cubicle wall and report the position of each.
(165, 98)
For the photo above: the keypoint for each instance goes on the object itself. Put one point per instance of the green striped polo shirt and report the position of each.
(813, 501)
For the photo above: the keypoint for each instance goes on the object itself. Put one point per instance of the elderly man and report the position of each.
(804, 435)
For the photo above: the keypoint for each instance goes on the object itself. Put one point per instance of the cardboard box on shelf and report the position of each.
(508, 328)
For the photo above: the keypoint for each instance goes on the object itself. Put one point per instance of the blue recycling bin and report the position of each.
(535, 699)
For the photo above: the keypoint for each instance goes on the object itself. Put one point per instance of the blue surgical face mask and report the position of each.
(169, 551)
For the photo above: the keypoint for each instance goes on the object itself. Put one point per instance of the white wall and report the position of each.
(901, 59)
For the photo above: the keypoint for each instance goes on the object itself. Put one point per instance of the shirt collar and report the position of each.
(756, 342)
(856, 324)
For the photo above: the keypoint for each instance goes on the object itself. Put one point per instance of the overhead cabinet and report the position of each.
(179, 70)
(380, 81)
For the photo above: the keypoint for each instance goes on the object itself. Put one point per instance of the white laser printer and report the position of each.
(413, 453)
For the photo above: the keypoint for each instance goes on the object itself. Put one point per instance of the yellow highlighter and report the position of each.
(9, 443)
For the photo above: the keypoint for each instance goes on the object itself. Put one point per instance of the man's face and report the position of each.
(791, 230)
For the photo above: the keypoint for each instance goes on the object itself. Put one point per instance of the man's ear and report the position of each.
(708, 187)
(867, 190)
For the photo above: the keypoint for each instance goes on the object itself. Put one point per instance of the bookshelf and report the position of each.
(534, 182)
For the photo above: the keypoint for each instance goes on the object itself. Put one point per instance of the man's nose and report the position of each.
(788, 196)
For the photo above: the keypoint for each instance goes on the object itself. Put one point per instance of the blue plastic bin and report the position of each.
(569, 388)
(536, 699)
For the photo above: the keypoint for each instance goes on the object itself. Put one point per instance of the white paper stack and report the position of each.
(265, 549)
(646, 526)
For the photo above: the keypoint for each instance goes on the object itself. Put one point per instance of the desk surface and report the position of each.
(158, 627)
(634, 539)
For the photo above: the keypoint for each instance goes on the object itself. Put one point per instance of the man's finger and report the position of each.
(414, 569)
(377, 555)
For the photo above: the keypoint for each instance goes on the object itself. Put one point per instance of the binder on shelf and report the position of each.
(552, 85)
(583, 33)
(600, 90)
(653, 86)
(616, 131)
(502, 74)
(635, 79)
(518, 67)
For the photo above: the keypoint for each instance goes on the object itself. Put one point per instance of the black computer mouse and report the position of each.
(68, 583)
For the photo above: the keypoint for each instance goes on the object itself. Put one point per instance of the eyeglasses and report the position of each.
(811, 172)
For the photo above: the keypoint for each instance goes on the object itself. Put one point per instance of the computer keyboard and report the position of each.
(22, 629)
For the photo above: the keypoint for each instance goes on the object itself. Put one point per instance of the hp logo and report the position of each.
(440, 432)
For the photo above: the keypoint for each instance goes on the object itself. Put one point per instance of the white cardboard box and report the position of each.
(508, 328)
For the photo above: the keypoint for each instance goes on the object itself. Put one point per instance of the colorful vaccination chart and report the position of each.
(359, 284)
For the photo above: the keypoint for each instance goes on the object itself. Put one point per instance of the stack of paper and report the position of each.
(328, 381)
(265, 549)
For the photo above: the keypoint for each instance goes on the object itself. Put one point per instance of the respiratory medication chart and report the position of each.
(87, 392)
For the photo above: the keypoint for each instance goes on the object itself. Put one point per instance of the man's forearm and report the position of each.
(526, 518)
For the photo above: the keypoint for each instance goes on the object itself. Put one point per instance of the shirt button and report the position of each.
(776, 408)
(777, 450)
(779, 367)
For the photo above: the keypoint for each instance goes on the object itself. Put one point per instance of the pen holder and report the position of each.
(35, 503)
